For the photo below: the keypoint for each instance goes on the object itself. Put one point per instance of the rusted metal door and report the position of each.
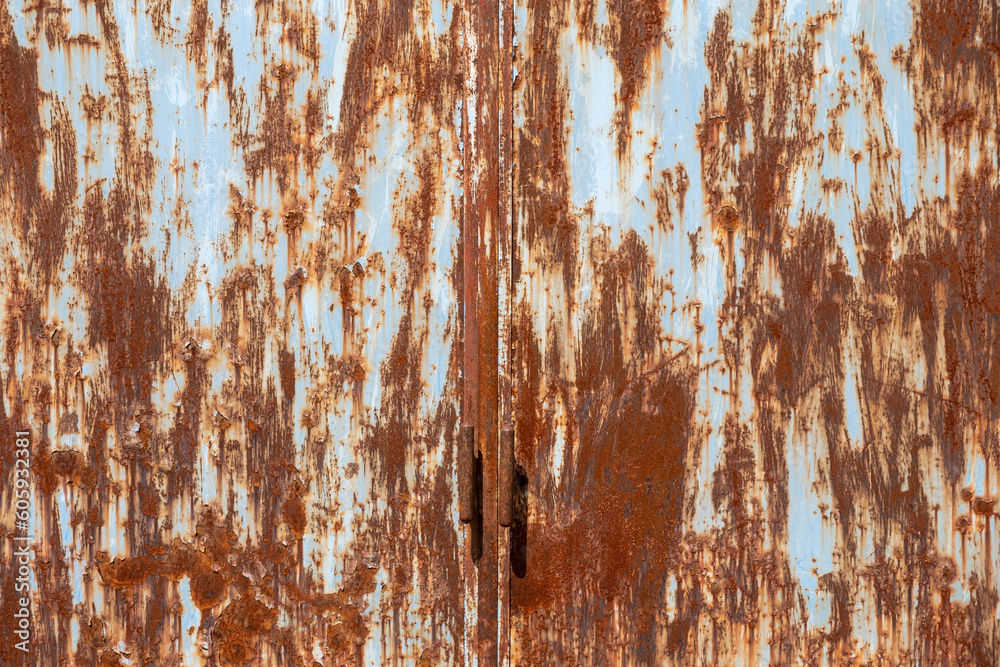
(231, 282)
(755, 321)
(700, 298)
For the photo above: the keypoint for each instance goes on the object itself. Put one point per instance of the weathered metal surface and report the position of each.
(728, 270)
(231, 274)
(757, 359)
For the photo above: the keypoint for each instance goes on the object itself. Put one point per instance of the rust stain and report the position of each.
(540, 158)
(616, 526)
(637, 31)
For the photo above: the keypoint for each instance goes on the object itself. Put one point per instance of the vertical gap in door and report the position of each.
(481, 20)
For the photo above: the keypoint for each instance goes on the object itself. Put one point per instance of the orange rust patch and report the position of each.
(123, 573)
(238, 633)
(295, 516)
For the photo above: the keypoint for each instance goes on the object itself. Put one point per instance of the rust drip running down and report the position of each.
(729, 221)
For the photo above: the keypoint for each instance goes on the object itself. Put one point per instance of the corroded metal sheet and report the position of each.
(728, 271)
(756, 317)
(231, 272)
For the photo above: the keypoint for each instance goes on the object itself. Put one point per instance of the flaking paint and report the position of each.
(736, 291)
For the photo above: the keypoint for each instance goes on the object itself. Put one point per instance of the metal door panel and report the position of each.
(754, 348)
(231, 326)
